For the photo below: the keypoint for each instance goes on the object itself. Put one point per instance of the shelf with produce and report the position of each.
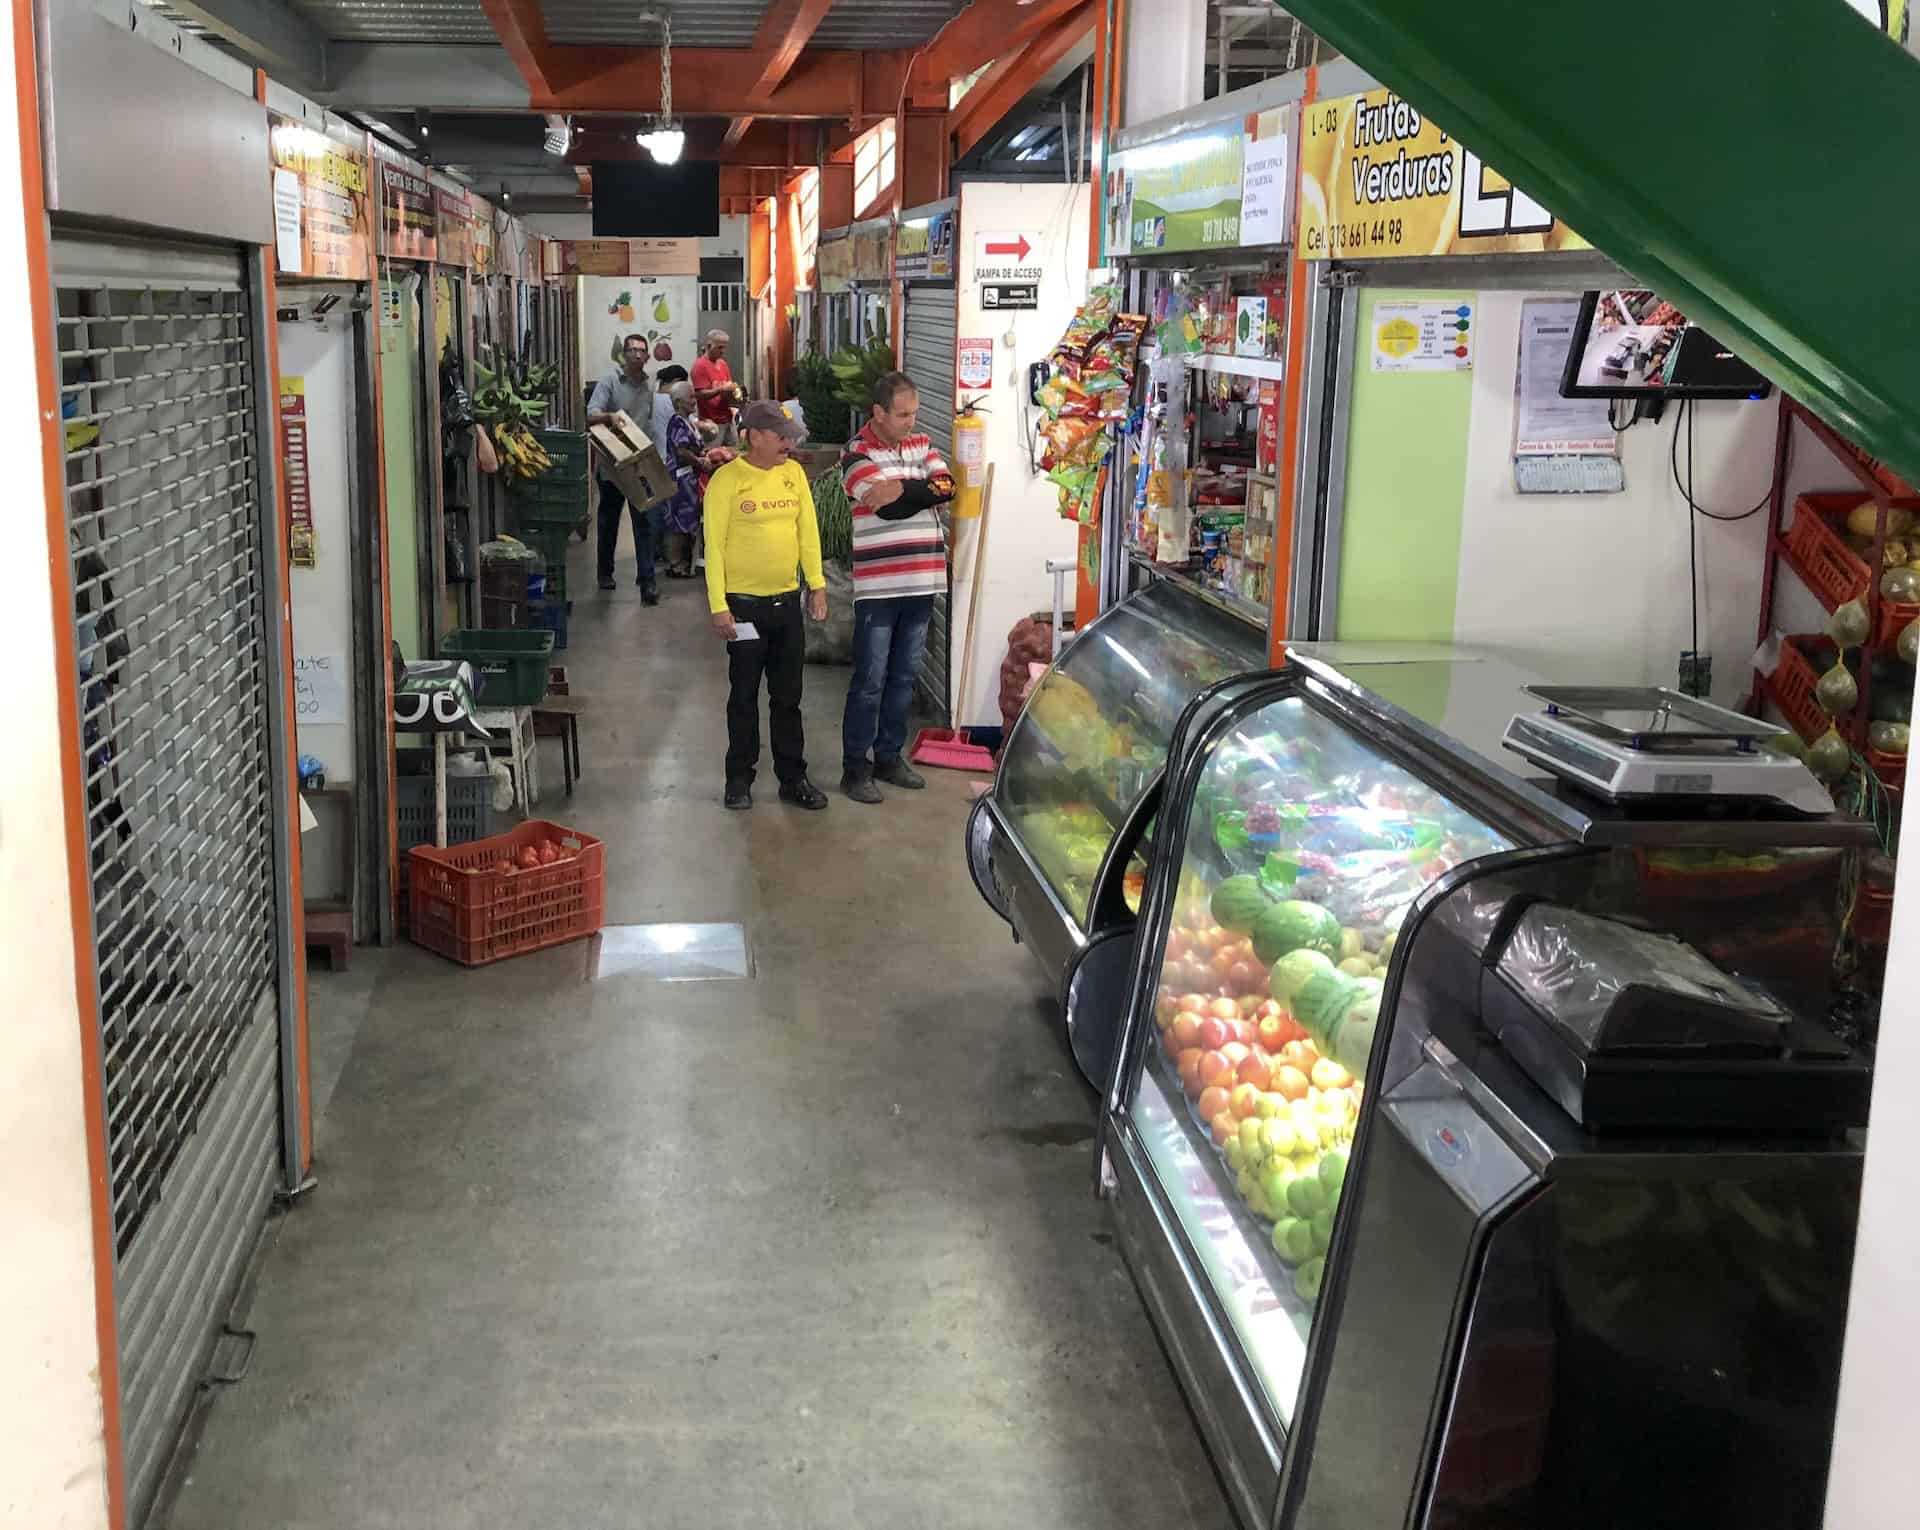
(1876, 480)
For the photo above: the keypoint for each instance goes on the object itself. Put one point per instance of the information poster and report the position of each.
(482, 247)
(1181, 194)
(406, 212)
(593, 257)
(1422, 337)
(923, 248)
(1378, 179)
(1560, 445)
(302, 552)
(1266, 209)
(973, 362)
(453, 227)
(323, 223)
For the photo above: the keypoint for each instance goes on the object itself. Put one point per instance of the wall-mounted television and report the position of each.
(639, 199)
(1631, 343)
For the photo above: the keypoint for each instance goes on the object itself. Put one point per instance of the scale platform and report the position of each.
(1642, 744)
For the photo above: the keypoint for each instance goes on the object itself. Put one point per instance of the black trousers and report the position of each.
(779, 653)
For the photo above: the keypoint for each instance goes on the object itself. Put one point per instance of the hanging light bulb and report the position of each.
(665, 139)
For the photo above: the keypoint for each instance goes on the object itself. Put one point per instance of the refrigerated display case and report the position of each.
(1479, 1150)
(1060, 846)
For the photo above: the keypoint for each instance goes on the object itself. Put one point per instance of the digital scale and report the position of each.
(1645, 743)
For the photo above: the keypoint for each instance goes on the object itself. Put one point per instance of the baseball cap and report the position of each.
(767, 415)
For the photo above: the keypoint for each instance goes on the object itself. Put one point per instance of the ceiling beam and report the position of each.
(785, 27)
(522, 31)
(1003, 86)
(984, 31)
(272, 36)
(766, 145)
(822, 82)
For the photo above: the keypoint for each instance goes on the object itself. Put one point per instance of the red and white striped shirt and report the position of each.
(892, 558)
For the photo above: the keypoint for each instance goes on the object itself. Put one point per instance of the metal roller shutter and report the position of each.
(930, 323)
(164, 518)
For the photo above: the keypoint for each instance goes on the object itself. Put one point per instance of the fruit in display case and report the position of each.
(1294, 925)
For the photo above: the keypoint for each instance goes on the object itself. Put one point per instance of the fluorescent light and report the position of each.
(663, 143)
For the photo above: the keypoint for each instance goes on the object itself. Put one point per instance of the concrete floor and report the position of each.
(785, 1252)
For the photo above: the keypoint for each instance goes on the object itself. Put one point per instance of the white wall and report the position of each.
(1026, 529)
(602, 325)
(322, 596)
(52, 1455)
(1165, 60)
(1593, 587)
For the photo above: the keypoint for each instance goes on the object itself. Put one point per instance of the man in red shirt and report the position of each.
(713, 384)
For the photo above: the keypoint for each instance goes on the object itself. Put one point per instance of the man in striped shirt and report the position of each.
(896, 481)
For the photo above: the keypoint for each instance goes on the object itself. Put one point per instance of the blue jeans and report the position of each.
(889, 636)
(646, 529)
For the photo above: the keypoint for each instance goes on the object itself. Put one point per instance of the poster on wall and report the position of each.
(1560, 445)
(871, 248)
(973, 362)
(661, 310)
(328, 226)
(923, 248)
(1266, 191)
(1180, 194)
(483, 253)
(1378, 179)
(301, 551)
(453, 227)
(1422, 337)
(406, 212)
(663, 257)
(836, 264)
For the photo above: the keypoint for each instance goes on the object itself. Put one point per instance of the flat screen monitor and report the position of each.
(1631, 343)
(639, 199)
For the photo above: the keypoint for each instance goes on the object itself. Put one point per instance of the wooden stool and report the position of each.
(516, 724)
(557, 717)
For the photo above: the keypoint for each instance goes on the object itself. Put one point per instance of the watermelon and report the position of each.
(1322, 1002)
(1295, 970)
(1292, 926)
(1238, 903)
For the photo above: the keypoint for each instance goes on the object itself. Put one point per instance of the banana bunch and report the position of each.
(513, 393)
(521, 455)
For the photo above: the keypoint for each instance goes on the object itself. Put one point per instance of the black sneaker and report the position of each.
(606, 582)
(899, 773)
(740, 796)
(649, 596)
(858, 784)
(803, 794)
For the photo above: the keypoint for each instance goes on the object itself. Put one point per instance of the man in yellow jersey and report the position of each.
(760, 527)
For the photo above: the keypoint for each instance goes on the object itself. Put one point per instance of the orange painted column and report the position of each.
(385, 592)
(73, 796)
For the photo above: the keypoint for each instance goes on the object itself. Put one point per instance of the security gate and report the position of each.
(158, 359)
(927, 357)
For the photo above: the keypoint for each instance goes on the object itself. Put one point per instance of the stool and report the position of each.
(513, 726)
(561, 722)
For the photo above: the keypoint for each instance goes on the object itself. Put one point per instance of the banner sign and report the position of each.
(326, 228)
(1379, 180)
(835, 264)
(871, 247)
(406, 211)
(923, 249)
(484, 255)
(1181, 194)
(453, 227)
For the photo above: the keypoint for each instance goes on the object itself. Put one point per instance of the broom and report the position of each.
(947, 748)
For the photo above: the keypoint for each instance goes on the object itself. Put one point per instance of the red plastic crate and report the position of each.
(1835, 571)
(1890, 768)
(461, 906)
(1894, 615)
(1790, 688)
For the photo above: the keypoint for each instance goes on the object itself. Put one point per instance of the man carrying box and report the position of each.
(760, 525)
(625, 391)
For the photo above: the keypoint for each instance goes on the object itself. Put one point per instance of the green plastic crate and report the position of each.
(568, 448)
(509, 667)
(549, 501)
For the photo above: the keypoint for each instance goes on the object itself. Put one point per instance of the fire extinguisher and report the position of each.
(969, 458)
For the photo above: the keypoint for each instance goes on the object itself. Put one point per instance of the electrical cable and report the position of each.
(1686, 489)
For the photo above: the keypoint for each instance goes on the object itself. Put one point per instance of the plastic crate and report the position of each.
(568, 448)
(1790, 688)
(1894, 615)
(464, 907)
(469, 802)
(1834, 570)
(509, 668)
(550, 616)
(548, 501)
(551, 544)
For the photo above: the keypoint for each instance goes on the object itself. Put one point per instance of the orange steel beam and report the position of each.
(784, 28)
(768, 145)
(1286, 508)
(1001, 88)
(708, 82)
(1109, 56)
(522, 31)
(985, 30)
(78, 870)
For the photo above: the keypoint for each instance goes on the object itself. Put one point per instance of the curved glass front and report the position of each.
(1096, 729)
(1302, 853)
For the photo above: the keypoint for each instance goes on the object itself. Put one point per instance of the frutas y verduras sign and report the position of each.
(1379, 179)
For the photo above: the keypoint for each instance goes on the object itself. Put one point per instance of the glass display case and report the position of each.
(1060, 847)
(1483, 1155)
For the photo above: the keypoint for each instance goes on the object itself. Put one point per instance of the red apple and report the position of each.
(1236, 1052)
(1274, 1033)
(1257, 1070)
(1244, 1101)
(1212, 1102)
(1214, 1034)
(1185, 1030)
(1223, 1009)
(1196, 1003)
(1188, 1065)
(1215, 1069)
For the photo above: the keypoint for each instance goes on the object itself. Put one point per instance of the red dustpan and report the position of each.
(947, 748)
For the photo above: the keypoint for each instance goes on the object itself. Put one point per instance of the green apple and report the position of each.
(1322, 1226)
(1235, 1155)
(1274, 1181)
(1333, 1170)
(1306, 1279)
(1299, 1241)
(1270, 1105)
(1305, 1197)
(1280, 1137)
(1279, 1235)
(1258, 1203)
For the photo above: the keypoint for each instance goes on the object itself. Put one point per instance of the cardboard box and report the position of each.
(632, 461)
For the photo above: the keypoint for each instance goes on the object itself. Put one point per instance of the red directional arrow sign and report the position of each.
(1019, 249)
(1007, 255)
